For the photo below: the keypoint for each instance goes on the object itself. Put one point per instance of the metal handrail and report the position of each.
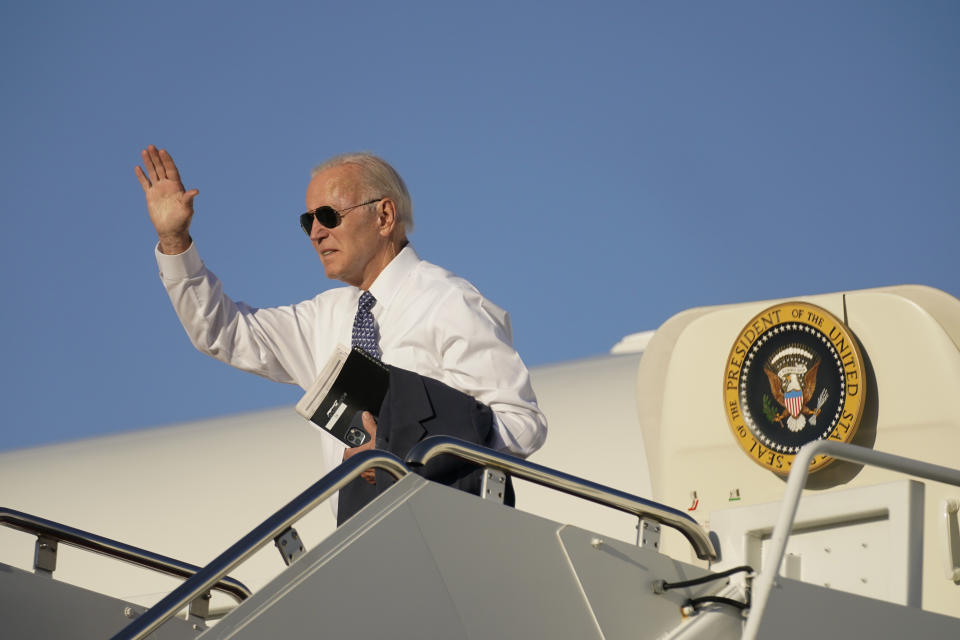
(435, 446)
(249, 544)
(111, 548)
(791, 499)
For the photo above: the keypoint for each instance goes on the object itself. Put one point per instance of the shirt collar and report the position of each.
(389, 280)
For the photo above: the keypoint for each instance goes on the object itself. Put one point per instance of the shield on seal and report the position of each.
(794, 402)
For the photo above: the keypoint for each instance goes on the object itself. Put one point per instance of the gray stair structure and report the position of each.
(427, 561)
(36, 606)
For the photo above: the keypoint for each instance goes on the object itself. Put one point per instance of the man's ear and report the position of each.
(387, 216)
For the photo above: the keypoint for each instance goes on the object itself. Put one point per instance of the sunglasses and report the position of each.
(328, 216)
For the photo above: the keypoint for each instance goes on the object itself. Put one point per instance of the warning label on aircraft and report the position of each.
(795, 374)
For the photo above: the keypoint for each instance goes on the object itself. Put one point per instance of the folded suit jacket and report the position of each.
(416, 407)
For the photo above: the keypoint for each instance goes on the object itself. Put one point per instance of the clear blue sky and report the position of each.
(593, 167)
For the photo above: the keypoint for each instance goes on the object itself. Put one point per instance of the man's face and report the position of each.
(348, 251)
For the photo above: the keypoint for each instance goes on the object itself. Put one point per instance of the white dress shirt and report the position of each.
(429, 321)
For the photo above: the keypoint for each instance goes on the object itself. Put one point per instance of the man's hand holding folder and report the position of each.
(370, 424)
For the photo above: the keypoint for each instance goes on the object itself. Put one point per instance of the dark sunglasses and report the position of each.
(328, 216)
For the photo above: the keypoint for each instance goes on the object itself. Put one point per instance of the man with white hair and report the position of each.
(424, 318)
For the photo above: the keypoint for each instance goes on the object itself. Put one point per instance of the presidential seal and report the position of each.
(795, 374)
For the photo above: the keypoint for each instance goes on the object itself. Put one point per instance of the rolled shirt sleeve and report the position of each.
(475, 339)
(266, 342)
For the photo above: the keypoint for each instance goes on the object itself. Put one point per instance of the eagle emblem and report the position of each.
(792, 373)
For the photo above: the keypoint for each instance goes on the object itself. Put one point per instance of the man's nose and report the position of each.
(318, 231)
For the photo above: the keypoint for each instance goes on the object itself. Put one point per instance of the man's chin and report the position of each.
(334, 270)
(329, 267)
(335, 274)
(331, 273)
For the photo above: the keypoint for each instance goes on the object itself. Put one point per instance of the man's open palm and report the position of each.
(170, 207)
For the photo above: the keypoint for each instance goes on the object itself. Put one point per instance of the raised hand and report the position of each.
(170, 207)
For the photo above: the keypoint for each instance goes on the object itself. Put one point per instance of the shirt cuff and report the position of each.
(180, 266)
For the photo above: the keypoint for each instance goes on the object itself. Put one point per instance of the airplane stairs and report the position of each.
(427, 561)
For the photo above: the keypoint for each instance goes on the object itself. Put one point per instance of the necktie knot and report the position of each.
(364, 326)
(366, 301)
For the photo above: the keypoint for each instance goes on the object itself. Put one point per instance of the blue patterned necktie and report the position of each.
(364, 328)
